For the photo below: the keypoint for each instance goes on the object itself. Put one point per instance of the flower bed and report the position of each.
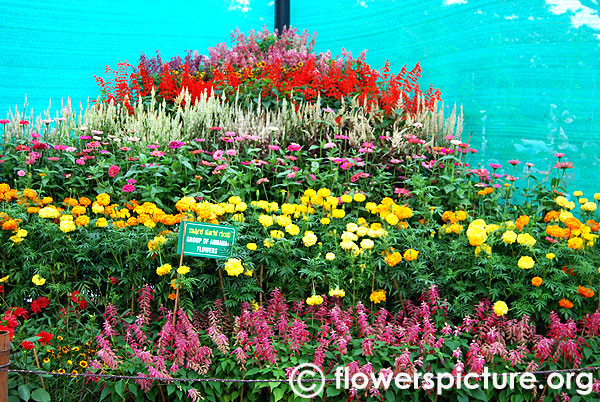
(350, 204)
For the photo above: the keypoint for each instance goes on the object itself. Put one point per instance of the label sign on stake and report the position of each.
(206, 240)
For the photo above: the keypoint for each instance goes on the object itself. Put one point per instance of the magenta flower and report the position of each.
(125, 149)
(341, 137)
(128, 188)
(158, 154)
(294, 147)
(495, 166)
(199, 139)
(291, 175)
(514, 162)
(312, 176)
(85, 137)
(24, 122)
(227, 139)
(54, 159)
(231, 152)
(291, 157)
(113, 170)
(35, 135)
(4, 121)
(559, 155)
(215, 128)
(21, 173)
(449, 137)
(176, 144)
(153, 146)
(131, 181)
(274, 147)
(529, 164)
(563, 165)
(80, 161)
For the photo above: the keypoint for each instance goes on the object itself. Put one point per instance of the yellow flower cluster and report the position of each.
(49, 212)
(477, 233)
(183, 270)
(18, 236)
(378, 296)
(164, 269)
(234, 267)
(337, 292)
(309, 239)
(330, 256)
(66, 224)
(564, 203)
(314, 300)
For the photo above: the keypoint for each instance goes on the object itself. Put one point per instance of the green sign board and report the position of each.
(206, 240)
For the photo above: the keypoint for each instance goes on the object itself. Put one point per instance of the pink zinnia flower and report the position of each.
(291, 175)
(329, 145)
(559, 155)
(152, 146)
(131, 181)
(495, 166)
(97, 132)
(21, 173)
(231, 152)
(24, 122)
(4, 121)
(312, 176)
(113, 170)
(53, 159)
(80, 161)
(294, 147)
(215, 128)
(449, 137)
(273, 147)
(199, 139)
(291, 157)
(227, 139)
(529, 164)
(85, 137)
(261, 181)
(125, 149)
(176, 144)
(341, 137)
(158, 154)
(35, 135)
(564, 165)
(70, 149)
(128, 188)
(217, 155)
(514, 162)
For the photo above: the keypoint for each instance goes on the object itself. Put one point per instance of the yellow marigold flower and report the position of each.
(578, 193)
(486, 248)
(491, 228)
(38, 280)
(337, 292)
(509, 237)
(392, 219)
(185, 204)
(324, 192)
(21, 233)
(325, 221)
(455, 228)
(348, 245)
(550, 256)
(362, 231)
(67, 225)
(526, 239)
(359, 197)
(378, 296)
(16, 239)
(349, 236)
(314, 300)
(4, 279)
(97, 208)
(449, 216)
(182, 270)
(476, 234)
(393, 259)
(267, 243)
(309, 239)
(33, 210)
(103, 199)
(575, 243)
(589, 207)
(338, 213)
(251, 246)
(101, 223)
(597, 196)
(248, 272)
(4, 188)
(526, 262)
(234, 200)
(49, 212)
(330, 256)
(164, 269)
(292, 229)
(367, 244)
(583, 201)
(351, 227)
(310, 192)
(346, 199)
(277, 234)
(500, 308)
(234, 267)
(411, 254)
(265, 220)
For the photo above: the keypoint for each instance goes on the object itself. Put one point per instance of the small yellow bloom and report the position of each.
(38, 280)
(182, 270)
(500, 308)
(550, 256)
(251, 246)
(4, 279)
(328, 257)
(411, 254)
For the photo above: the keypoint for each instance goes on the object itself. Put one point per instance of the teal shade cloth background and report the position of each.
(526, 72)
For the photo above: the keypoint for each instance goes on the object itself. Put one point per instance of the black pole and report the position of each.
(282, 15)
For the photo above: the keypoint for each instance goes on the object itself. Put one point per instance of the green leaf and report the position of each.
(40, 395)
(24, 392)
(277, 394)
(120, 388)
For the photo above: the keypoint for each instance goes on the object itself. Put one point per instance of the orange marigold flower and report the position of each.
(29, 193)
(536, 281)
(557, 231)
(103, 199)
(33, 210)
(132, 221)
(565, 303)
(78, 210)
(522, 221)
(4, 187)
(86, 202)
(575, 243)
(595, 226)
(172, 296)
(585, 292)
(573, 223)
(71, 201)
(449, 216)
(10, 224)
(550, 216)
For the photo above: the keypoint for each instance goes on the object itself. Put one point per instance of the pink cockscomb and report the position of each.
(113, 170)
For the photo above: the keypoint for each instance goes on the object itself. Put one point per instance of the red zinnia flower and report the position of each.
(27, 345)
(44, 337)
(40, 303)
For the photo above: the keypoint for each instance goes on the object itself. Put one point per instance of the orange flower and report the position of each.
(4, 187)
(29, 193)
(568, 271)
(536, 281)
(172, 296)
(522, 221)
(550, 216)
(565, 303)
(575, 243)
(557, 231)
(33, 210)
(573, 223)
(86, 202)
(78, 210)
(10, 224)
(595, 226)
(449, 216)
(71, 201)
(585, 292)
(132, 221)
